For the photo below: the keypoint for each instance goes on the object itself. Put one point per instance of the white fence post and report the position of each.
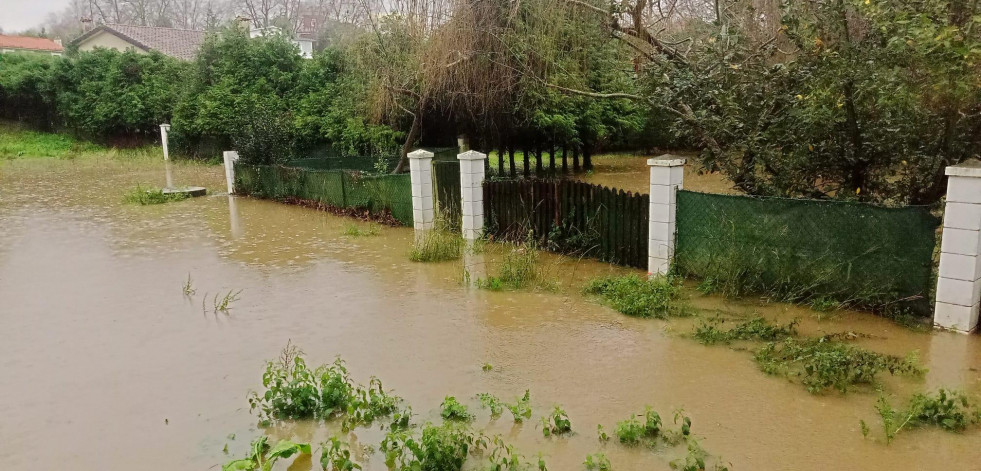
(421, 175)
(472, 193)
(230, 156)
(164, 129)
(959, 282)
(667, 176)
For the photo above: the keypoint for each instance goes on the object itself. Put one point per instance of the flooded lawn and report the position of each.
(631, 173)
(106, 364)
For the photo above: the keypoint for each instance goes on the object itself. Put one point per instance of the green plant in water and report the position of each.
(948, 410)
(439, 448)
(492, 403)
(487, 367)
(601, 434)
(187, 288)
(451, 409)
(520, 269)
(633, 431)
(659, 297)
(353, 230)
(438, 244)
(556, 423)
(823, 364)
(337, 456)
(597, 462)
(695, 460)
(145, 196)
(224, 303)
(502, 457)
(757, 329)
(521, 408)
(263, 457)
(630, 431)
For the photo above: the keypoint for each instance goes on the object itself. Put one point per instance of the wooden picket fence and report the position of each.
(570, 217)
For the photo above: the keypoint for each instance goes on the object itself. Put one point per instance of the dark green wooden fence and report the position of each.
(446, 191)
(570, 217)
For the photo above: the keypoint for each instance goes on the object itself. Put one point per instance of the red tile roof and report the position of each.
(27, 42)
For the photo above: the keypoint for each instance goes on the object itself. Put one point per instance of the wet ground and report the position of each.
(106, 364)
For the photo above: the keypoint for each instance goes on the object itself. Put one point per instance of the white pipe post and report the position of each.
(164, 129)
(667, 177)
(421, 176)
(230, 156)
(958, 293)
(472, 193)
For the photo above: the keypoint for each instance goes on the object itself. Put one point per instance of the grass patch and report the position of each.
(438, 244)
(823, 364)
(354, 230)
(19, 142)
(658, 297)
(948, 410)
(145, 196)
(519, 269)
(757, 329)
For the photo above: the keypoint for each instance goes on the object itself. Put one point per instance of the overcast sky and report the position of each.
(18, 15)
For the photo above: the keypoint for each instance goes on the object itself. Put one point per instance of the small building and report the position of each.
(178, 43)
(30, 44)
(302, 40)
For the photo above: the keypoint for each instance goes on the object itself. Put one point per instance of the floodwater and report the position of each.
(105, 364)
(630, 173)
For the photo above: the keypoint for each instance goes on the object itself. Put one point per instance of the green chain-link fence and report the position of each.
(808, 251)
(376, 193)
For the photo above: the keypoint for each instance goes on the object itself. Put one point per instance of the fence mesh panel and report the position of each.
(806, 250)
(376, 193)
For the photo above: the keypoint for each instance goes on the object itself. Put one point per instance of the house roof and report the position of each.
(179, 43)
(30, 43)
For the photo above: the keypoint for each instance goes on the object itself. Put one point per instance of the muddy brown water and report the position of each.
(105, 364)
(630, 173)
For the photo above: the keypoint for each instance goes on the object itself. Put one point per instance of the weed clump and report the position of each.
(948, 410)
(521, 408)
(337, 456)
(491, 403)
(658, 297)
(633, 432)
(757, 328)
(146, 196)
(823, 364)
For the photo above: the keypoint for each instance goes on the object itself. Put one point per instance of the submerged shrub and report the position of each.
(451, 409)
(337, 456)
(948, 410)
(439, 448)
(492, 403)
(438, 244)
(658, 297)
(521, 408)
(262, 456)
(294, 391)
(823, 364)
(757, 328)
(556, 423)
(597, 462)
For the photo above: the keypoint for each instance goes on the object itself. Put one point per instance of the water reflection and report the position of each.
(474, 266)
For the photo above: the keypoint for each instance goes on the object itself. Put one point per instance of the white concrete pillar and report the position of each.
(959, 282)
(421, 174)
(472, 193)
(164, 129)
(230, 156)
(667, 177)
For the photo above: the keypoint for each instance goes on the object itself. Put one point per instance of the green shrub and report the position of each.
(823, 364)
(262, 456)
(521, 408)
(597, 462)
(658, 297)
(629, 431)
(492, 403)
(337, 456)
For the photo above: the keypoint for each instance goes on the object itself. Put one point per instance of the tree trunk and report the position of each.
(527, 168)
(565, 160)
(538, 162)
(587, 159)
(511, 160)
(410, 139)
(551, 161)
(575, 160)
